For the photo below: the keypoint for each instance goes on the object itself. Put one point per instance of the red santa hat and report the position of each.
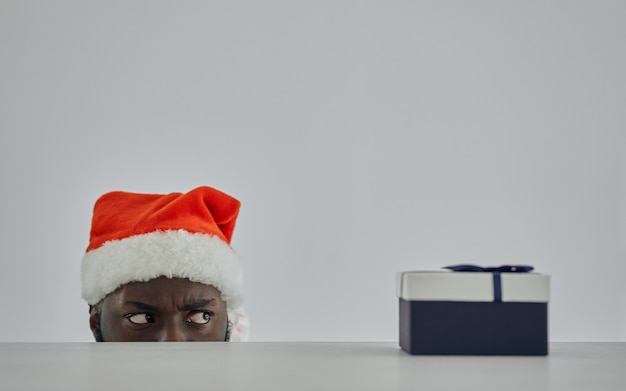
(139, 237)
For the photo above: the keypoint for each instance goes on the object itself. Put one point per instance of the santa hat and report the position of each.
(139, 237)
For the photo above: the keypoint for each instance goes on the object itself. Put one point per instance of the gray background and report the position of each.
(362, 137)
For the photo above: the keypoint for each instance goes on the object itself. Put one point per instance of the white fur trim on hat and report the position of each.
(241, 325)
(198, 257)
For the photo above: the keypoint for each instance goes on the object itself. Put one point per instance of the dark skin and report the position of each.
(162, 309)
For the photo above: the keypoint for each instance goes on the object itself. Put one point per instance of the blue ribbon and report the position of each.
(500, 269)
(497, 281)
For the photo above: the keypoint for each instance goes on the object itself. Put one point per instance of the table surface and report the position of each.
(302, 366)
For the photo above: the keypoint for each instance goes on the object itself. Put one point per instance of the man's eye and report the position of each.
(200, 317)
(141, 318)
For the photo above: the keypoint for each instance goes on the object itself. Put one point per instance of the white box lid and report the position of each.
(471, 286)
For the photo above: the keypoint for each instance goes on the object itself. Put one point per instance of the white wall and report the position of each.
(362, 137)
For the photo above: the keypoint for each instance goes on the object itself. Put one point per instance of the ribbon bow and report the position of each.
(497, 281)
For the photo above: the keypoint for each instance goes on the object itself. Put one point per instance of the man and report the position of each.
(159, 267)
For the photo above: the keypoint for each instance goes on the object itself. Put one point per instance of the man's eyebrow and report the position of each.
(143, 306)
(198, 304)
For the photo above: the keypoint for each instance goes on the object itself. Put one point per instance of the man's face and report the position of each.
(163, 309)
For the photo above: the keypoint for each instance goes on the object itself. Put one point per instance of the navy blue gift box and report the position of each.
(471, 310)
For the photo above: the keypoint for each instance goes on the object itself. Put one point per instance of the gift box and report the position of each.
(472, 310)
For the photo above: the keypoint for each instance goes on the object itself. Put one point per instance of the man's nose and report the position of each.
(172, 332)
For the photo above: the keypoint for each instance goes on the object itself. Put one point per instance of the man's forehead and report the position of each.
(164, 287)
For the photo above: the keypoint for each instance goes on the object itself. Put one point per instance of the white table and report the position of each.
(301, 366)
